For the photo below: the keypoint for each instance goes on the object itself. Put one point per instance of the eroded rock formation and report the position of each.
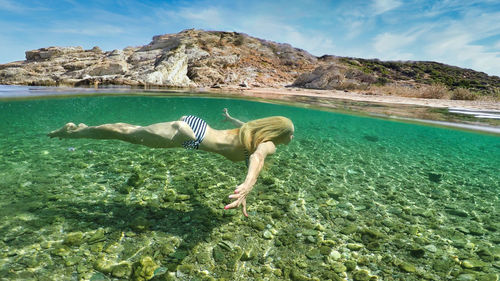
(191, 58)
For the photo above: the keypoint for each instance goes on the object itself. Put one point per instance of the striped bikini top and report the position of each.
(199, 127)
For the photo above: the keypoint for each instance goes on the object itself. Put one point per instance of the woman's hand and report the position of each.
(240, 197)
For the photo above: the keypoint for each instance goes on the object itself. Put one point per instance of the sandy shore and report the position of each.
(355, 96)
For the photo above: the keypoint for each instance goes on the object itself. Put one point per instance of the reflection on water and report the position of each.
(350, 197)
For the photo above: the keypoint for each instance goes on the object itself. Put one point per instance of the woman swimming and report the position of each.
(251, 141)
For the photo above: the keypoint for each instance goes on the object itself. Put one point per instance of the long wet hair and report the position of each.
(255, 132)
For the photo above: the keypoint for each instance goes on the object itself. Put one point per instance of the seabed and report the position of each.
(351, 198)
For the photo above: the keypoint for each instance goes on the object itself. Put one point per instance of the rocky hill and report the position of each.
(191, 58)
(196, 58)
(362, 74)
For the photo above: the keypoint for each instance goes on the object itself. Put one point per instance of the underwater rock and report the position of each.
(72, 260)
(457, 212)
(335, 255)
(431, 248)
(488, 277)
(350, 265)
(434, 177)
(417, 252)
(485, 254)
(227, 254)
(140, 224)
(296, 275)
(124, 189)
(371, 138)
(407, 267)
(466, 277)
(313, 254)
(103, 265)
(338, 267)
(473, 264)
(258, 225)
(144, 269)
(354, 246)
(361, 275)
(73, 239)
(248, 254)
(98, 277)
(98, 236)
(135, 180)
(268, 235)
(325, 250)
(122, 270)
(203, 257)
(61, 251)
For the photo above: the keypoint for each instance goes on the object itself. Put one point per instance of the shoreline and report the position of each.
(481, 116)
(356, 96)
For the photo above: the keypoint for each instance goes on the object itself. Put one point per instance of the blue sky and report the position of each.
(456, 32)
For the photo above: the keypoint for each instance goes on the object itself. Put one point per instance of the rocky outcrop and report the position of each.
(333, 75)
(191, 58)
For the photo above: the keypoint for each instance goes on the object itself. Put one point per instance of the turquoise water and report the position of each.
(350, 198)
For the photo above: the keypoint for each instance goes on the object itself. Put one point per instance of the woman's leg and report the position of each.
(160, 135)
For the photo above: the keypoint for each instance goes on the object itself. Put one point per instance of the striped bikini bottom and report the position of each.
(199, 127)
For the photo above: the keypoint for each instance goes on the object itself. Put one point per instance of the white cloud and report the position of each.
(456, 42)
(272, 29)
(382, 6)
(17, 7)
(11, 6)
(98, 30)
(387, 42)
(210, 16)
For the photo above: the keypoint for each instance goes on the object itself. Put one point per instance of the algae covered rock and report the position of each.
(140, 224)
(407, 267)
(227, 255)
(361, 275)
(98, 236)
(73, 239)
(144, 269)
(122, 270)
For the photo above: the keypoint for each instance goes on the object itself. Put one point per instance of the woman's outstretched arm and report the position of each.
(231, 119)
(254, 168)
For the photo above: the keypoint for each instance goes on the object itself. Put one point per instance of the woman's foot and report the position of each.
(67, 131)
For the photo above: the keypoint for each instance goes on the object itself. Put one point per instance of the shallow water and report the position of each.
(350, 197)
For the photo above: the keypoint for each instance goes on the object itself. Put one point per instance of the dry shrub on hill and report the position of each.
(421, 91)
(463, 94)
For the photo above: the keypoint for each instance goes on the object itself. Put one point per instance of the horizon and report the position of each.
(466, 35)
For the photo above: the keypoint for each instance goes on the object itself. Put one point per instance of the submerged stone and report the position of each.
(350, 265)
(98, 236)
(338, 267)
(434, 177)
(354, 246)
(144, 269)
(417, 252)
(73, 239)
(122, 270)
(139, 224)
(313, 253)
(98, 277)
(473, 264)
(407, 267)
(361, 275)
(267, 235)
(466, 277)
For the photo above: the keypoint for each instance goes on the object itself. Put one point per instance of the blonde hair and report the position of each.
(255, 132)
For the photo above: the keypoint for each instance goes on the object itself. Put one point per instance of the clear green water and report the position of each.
(350, 197)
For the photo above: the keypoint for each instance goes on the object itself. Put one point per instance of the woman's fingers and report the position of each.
(244, 209)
